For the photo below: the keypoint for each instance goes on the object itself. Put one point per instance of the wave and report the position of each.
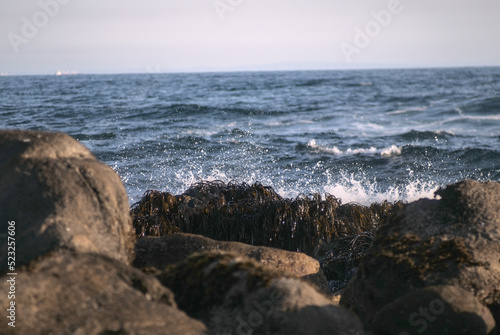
(287, 123)
(415, 135)
(348, 188)
(95, 137)
(393, 150)
(485, 158)
(312, 82)
(490, 105)
(159, 111)
(407, 110)
(359, 84)
(366, 192)
(390, 151)
(474, 117)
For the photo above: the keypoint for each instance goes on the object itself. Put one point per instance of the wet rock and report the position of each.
(233, 294)
(67, 293)
(60, 197)
(162, 251)
(452, 241)
(439, 310)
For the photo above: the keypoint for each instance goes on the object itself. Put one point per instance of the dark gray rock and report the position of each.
(452, 241)
(67, 293)
(162, 251)
(60, 197)
(234, 294)
(435, 310)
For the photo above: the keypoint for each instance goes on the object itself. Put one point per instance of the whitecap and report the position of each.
(407, 110)
(313, 145)
(358, 189)
(393, 150)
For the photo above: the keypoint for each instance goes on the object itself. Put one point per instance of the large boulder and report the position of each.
(67, 293)
(60, 197)
(234, 294)
(451, 241)
(162, 251)
(435, 310)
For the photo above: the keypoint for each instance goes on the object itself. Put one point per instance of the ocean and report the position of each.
(362, 136)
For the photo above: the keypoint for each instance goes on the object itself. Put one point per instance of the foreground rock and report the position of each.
(451, 241)
(92, 294)
(232, 294)
(60, 197)
(440, 310)
(162, 251)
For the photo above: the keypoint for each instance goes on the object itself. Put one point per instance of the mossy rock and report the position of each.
(447, 241)
(204, 279)
(232, 294)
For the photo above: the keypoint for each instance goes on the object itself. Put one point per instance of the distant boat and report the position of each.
(66, 73)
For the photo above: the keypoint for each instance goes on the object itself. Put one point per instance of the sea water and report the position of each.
(363, 136)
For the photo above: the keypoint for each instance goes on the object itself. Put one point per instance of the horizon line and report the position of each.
(197, 71)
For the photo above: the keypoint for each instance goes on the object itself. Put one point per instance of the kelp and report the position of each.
(255, 214)
(340, 257)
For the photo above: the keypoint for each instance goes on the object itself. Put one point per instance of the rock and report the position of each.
(60, 197)
(233, 294)
(162, 251)
(69, 293)
(440, 310)
(452, 241)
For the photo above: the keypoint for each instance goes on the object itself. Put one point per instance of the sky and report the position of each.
(132, 36)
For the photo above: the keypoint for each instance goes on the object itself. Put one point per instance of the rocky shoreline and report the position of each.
(335, 234)
(234, 259)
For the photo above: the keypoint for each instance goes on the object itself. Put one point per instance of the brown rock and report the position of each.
(439, 310)
(91, 294)
(452, 241)
(233, 294)
(60, 197)
(160, 252)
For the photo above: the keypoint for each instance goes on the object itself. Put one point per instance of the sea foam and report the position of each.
(393, 150)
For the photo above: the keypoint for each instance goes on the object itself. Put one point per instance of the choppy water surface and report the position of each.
(363, 136)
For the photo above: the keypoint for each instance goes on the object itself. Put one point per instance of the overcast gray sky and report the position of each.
(121, 36)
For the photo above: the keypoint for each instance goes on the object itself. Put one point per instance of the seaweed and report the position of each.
(151, 217)
(340, 258)
(335, 233)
